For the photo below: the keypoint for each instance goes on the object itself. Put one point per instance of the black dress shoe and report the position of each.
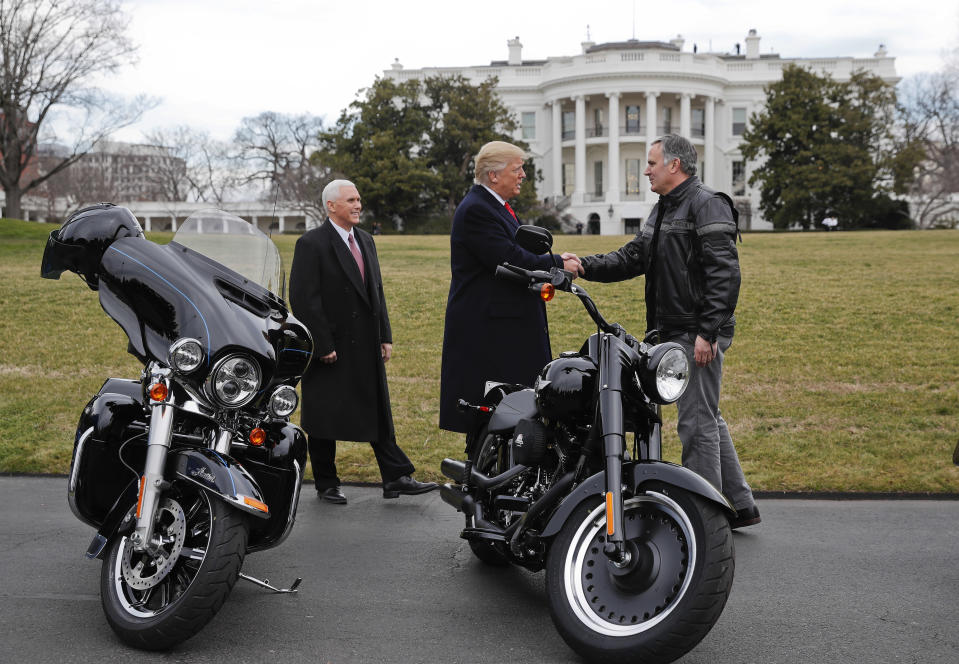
(748, 516)
(333, 495)
(407, 486)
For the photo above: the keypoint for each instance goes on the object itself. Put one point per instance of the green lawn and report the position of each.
(842, 377)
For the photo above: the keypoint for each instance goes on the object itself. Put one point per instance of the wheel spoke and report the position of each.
(194, 553)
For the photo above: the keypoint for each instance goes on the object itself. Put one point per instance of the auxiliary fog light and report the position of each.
(186, 355)
(283, 401)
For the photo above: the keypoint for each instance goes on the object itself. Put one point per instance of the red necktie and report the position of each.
(357, 256)
(510, 210)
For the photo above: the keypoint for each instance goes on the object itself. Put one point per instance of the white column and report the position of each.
(282, 222)
(147, 226)
(651, 118)
(579, 188)
(685, 114)
(612, 171)
(557, 148)
(709, 140)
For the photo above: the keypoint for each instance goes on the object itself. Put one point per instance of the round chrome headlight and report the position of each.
(283, 401)
(185, 355)
(665, 373)
(234, 380)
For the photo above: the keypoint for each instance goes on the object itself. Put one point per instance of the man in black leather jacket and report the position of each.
(688, 254)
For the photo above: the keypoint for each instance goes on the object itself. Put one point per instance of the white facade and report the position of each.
(589, 118)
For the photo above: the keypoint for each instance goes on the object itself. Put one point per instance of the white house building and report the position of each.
(589, 118)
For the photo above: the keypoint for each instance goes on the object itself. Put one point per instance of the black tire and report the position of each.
(660, 609)
(489, 458)
(165, 607)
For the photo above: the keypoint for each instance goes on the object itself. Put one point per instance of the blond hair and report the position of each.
(494, 157)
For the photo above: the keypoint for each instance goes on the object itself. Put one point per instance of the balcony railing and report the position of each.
(593, 132)
(631, 195)
(594, 197)
(632, 130)
(569, 134)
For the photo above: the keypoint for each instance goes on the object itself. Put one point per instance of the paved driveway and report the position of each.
(390, 581)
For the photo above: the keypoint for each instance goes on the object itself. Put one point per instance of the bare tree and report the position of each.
(203, 168)
(279, 153)
(51, 50)
(930, 113)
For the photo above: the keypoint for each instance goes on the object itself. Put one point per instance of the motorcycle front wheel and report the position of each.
(154, 602)
(664, 601)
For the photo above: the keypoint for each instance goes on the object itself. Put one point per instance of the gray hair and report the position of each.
(495, 156)
(678, 147)
(332, 191)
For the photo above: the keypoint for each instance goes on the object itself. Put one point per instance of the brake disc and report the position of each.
(143, 569)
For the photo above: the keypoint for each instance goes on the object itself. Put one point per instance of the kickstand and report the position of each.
(265, 583)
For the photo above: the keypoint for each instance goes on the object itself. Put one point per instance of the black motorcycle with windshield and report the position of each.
(188, 468)
(638, 552)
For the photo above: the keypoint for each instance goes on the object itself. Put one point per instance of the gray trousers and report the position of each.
(707, 447)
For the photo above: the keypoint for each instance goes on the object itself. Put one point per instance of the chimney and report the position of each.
(396, 64)
(882, 52)
(678, 42)
(515, 51)
(752, 45)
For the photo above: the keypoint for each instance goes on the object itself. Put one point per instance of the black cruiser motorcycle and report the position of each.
(195, 464)
(638, 552)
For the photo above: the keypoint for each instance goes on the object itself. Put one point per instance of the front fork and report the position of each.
(152, 483)
(614, 437)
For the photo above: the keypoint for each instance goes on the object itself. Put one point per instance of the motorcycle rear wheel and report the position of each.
(153, 604)
(489, 460)
(660, 607)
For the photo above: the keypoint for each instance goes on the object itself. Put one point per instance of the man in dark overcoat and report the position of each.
(494, 329)
(336, 290)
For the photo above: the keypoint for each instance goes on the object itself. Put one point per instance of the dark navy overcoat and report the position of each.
(348, 399)
(495, 329)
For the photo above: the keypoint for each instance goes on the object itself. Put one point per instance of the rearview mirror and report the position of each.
(535, 239)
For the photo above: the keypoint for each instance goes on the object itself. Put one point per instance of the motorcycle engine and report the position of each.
(530, 438)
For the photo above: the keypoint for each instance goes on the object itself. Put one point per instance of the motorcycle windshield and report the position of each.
(235, 244)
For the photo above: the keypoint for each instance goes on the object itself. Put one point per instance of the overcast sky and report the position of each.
(213, 62)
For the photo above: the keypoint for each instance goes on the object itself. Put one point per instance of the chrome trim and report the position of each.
(74, 476)
(294, 502)
(223, 440)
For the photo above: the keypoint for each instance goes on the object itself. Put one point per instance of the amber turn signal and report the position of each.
(610, 526)
(159, 392)
(547, 291)
(257, 436)
(256, 504)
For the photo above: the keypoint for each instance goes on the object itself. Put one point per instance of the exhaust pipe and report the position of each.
(456, 471)
(463, 502)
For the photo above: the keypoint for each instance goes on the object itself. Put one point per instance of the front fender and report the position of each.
(222, 476)
(636, 475)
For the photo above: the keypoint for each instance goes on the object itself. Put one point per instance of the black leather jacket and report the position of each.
(696, 281)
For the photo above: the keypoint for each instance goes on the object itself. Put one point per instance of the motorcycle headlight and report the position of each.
(185, 355)
(234, 380)
(664, 374)
(283, 401)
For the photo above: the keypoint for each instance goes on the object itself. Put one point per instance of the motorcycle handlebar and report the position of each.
(511, 273)
(561, 280)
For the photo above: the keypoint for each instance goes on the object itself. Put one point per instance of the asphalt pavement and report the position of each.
(384, 581)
